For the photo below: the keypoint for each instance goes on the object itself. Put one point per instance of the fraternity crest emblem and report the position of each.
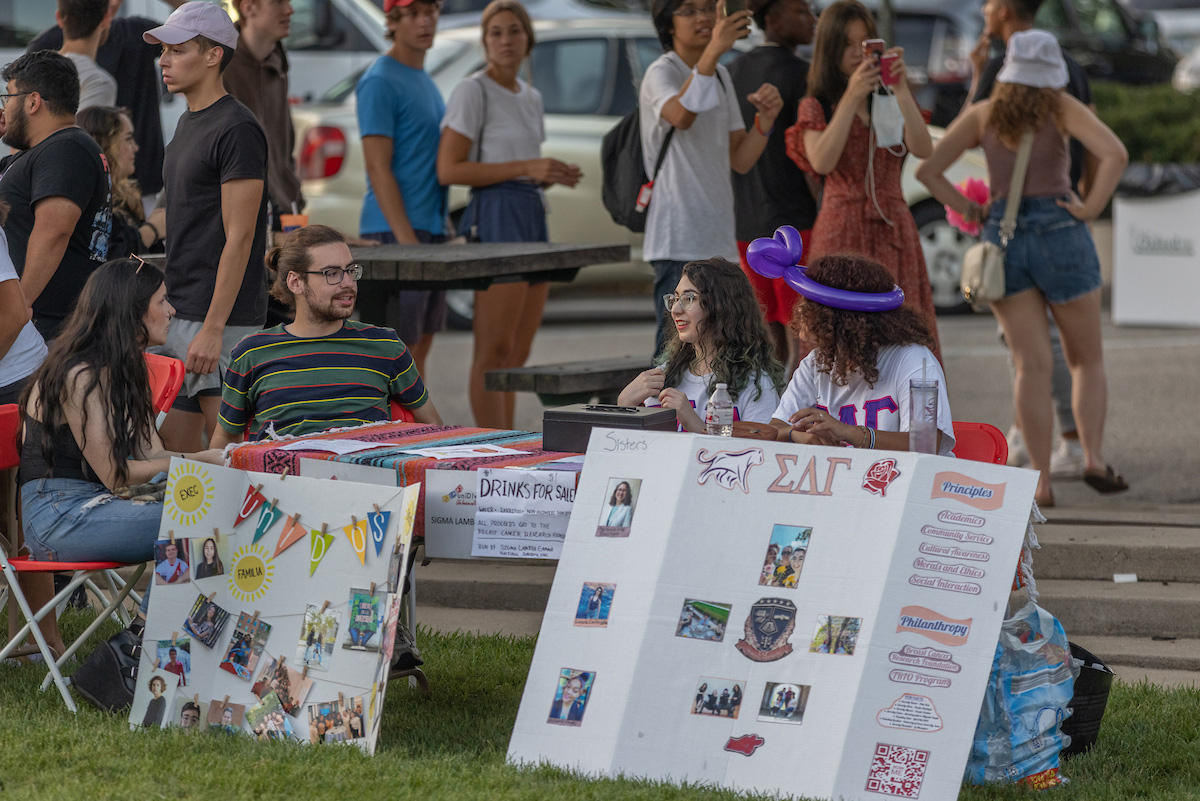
(768, 627)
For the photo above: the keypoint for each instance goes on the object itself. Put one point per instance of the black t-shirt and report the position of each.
(217, 144)
(134, 63)
(774, 192)
(67, 163)
(1077, 86)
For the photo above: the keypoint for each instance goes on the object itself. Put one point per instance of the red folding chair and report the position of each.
(980, 442)
(398, 413)
(83, 572)
(166, 379)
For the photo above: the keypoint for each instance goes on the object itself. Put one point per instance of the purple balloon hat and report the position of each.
(779, 257)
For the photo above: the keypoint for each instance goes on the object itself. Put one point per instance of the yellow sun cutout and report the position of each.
(190, 496)
(251, 574)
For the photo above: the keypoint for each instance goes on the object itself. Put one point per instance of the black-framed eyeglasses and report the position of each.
(690, 11)
(685, 300)
(4, 98)
(334, 275)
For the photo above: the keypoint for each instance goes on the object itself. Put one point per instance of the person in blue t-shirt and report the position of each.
(399, 115)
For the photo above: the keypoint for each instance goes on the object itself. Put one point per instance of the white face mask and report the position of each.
(887, 120)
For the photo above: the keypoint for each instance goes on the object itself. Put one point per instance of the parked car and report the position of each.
(587, 72)
(1110, 42)
(1178, 21)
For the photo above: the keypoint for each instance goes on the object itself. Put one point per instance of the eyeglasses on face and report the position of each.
(688, 12)
(685, 300)
(334, 275)
(4, 98)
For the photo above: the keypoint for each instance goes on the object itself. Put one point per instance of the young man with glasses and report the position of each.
(324, 370)
(57, 187)
(399, 117)
(215, 176)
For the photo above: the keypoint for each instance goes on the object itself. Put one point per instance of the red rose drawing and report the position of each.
(881, 474)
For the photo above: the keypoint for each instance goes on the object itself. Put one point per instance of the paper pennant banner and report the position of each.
(378, 522)
(254, 499)
(266, 518)
(292, 533)
(357, 535)
(320, 547)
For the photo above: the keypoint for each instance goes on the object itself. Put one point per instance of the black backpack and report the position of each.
(624, 171)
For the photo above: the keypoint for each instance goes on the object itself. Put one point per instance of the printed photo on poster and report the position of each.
(171, 562)
(268, 721)
(318, 633)
(365, 620)
(210, 555)
(835, 635)
(290, 686)
(571, 697)
(785, 556)
(783, 702)
(225, 715)
(205, 621)
(703, 620)
(718, 697)
(175, 656)
(246, 646)
(186, 714)
(150, 710)
(390, 622)
(595, 600)
(337, 722)
(616, 516)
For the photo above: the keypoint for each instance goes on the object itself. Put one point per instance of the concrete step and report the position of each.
(1185, 515)
(1143, 609)
(1167, 679)
(1096, 552)
(1143, 652)
(519, 587)
(479, 621)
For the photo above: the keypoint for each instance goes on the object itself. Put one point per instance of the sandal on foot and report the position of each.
(1044, 503)
(1105, 481)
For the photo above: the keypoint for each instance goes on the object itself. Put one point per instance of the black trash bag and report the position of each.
(1159, 180)
(1089, 702)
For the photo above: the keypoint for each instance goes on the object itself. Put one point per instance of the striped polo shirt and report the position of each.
(303, 385)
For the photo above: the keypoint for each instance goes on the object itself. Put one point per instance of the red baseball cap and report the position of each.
(388, 5)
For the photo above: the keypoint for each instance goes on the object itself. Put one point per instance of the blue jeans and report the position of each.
(70, 520)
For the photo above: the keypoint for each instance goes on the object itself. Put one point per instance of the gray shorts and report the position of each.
(180, 335)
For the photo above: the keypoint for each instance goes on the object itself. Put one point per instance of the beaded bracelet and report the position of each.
(758, 127)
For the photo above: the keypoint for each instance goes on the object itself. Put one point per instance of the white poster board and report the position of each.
(674, 651)
(521, 514)
(1156, 260)
(283, 619)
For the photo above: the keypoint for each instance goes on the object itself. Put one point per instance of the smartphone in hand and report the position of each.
(873, 49)
(734, 6)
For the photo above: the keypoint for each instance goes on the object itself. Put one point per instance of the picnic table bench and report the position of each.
(571, 382)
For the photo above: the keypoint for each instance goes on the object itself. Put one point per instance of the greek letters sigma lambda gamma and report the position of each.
(804, 481)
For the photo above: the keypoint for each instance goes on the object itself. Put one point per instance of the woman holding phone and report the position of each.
(491, 141)
(837, 138)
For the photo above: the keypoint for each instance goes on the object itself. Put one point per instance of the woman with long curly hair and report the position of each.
(863, 209)
(852, 388)
(132, 233)
(88, 424)
(1051, 260)
(719, 337)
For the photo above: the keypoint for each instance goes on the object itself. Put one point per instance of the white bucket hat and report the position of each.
(197, 18)
(1034, 58)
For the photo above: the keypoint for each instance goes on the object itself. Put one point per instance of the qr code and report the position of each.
(897, 770)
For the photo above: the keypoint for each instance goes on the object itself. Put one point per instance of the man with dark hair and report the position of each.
(133, 62)
(1001, 19)
(85, 25)
(57, 187)
(775, 191)
(399, 116)
(216, 162)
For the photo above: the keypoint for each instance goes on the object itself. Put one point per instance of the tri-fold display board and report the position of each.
(774, 618)
(274, 605)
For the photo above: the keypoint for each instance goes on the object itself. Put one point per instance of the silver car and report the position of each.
(587, 72)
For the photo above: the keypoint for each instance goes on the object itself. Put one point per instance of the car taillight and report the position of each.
(322, 152)
(950, 59)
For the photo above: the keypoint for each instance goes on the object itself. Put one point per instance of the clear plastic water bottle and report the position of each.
(718, 415)
(922, 415)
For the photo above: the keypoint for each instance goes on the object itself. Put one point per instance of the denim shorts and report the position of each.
(70, 520)
(1051, 251)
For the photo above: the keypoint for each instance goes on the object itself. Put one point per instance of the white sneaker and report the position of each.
(1018, 456)
(1067, 460)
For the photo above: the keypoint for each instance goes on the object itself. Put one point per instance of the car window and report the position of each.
(572, 74)
(1100, 19)
(20, 23)
(1053, 17)
(319, 25)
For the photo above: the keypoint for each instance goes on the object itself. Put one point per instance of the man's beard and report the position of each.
(17, 134)
(330, 313)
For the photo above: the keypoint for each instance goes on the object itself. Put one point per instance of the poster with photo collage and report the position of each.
(777, 619)
(278, 565)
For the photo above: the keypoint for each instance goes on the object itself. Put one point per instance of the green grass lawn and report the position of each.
(451, 745)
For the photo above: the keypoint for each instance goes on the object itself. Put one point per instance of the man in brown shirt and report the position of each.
(258, 77)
